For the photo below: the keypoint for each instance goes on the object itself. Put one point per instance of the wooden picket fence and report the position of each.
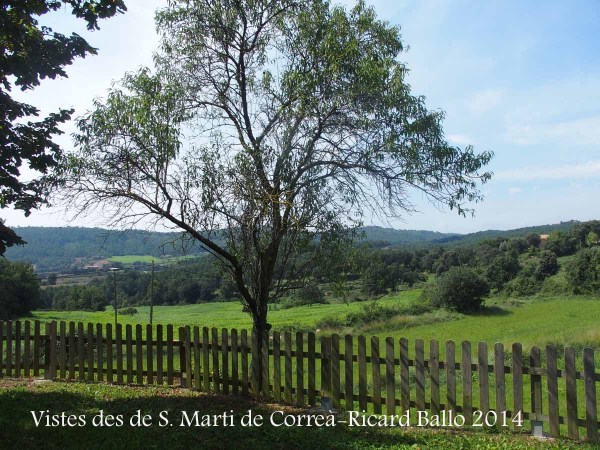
(389, 378)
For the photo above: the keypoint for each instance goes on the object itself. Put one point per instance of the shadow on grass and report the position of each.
(492, 311)
(18, 430)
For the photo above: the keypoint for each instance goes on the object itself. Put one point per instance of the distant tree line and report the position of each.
(462, 276)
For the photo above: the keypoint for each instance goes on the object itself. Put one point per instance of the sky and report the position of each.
(521, 79)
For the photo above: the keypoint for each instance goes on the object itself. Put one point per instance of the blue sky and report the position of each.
(519, 78)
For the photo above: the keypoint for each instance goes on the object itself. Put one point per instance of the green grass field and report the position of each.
(130, 259)
(562, 321)
(147, 259)
(19, 398)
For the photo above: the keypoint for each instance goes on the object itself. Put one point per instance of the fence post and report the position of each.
(552, 382)
(571, 385)
(535, 364)
(517, 375)
(591, 413)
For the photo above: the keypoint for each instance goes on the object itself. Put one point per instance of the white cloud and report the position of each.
(460, 139)
(584, 131)
(514, 190)
(484, 101)
(583, 170)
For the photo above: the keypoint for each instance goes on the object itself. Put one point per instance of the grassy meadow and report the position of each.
(562, 321)
(17, 429)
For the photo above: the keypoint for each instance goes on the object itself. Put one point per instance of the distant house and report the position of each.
(103, 264)
(543, 239)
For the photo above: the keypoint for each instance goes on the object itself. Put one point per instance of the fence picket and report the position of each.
(81, 351)
(517, 370)
(197, 357)
(149, 355)
(17, 341)
(591, 412)
(434, 376)
(206, 360)
(225, 360)
(119, 352)
(287, 341)
(552, 381)
(499, 378)
(187, 357)
(72, 351)
(234, 362)
(9, 360)
(390, 392)
(159, 355)
(420, 375)
(244, 344)
(300, 370)
(139, 354)
(404, 380)
(535, 364)
(325, 368)
(36, 348)
(129, 351)
(312, 371)
(52, 352)
(362, 373)
(26, 350)
(349, 372)
(215, 359)
(450, 377)
(62, 354)
(571, 384)
(109, 353)
(170, 380)
(467, 382)
(482, 368)
(99, 352)
(276, 366)
(90, 351)
(335, 371)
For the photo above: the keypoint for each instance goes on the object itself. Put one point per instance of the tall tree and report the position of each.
(266, 124)
(30, 52)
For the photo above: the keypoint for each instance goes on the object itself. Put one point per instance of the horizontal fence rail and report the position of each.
(488, 386)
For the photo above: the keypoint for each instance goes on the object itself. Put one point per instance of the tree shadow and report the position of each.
(18, 430)
(492, 311)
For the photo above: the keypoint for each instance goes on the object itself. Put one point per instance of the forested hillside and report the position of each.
(55, 249)
(52, 248)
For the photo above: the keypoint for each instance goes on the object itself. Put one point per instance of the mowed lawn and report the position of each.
(18, 430)
(561, 321)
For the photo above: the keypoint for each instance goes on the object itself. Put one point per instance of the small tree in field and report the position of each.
(460, 289)
(267, 124)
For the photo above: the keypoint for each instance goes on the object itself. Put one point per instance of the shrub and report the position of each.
(311, 294)
(524, 285)
(460, 289)
(19, 289)
(583, 273)
(370, 312)
(548, 264)
(129, 311)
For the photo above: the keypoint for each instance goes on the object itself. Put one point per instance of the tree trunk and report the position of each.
(260, 327)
